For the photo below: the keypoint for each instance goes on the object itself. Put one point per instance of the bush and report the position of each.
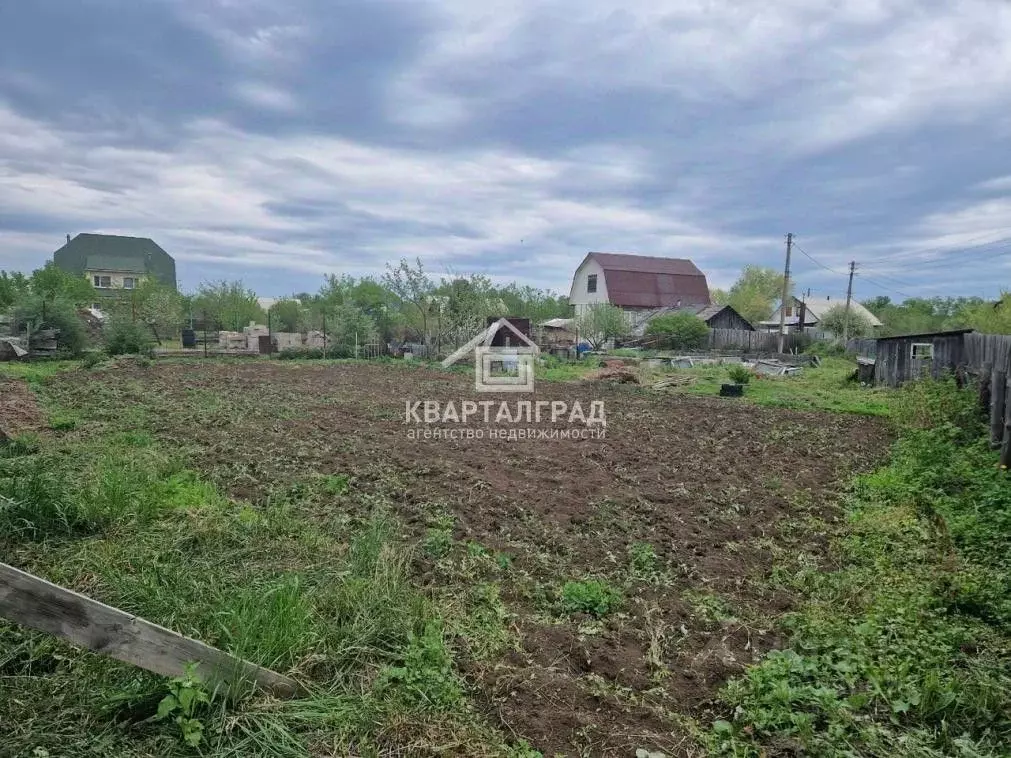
(91, 359)
(125, 337)
(71, 339)
(739, 374)
(679, 331)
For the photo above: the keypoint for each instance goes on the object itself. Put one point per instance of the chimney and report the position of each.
(68, 238)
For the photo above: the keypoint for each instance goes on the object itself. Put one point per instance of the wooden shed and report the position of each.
(505, 338)
(724, 317)
(913, 356)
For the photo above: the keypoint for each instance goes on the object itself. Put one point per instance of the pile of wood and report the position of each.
(673, 381)
(43, 342)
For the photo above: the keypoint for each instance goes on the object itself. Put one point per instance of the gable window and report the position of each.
(591, 283)
(922, 351)
(129, 282)
(789, 311)
(103, 282)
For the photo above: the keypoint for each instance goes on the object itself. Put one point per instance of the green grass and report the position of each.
(36, 372)
(104, 508)
(823, 388)
(905, 649)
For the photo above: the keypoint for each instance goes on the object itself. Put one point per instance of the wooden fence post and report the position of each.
(997, 398)
(1005, 447)
(984, 388)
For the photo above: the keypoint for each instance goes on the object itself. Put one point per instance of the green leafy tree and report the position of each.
(413, 288)
(13, 287)
(159, 308)
(600, 323)
(50, 283)
(537, 305)
(288, 315)
(917, 314)
(988, 317)
(755, 293)
(228, 304)
(835, 319)
(679, 331)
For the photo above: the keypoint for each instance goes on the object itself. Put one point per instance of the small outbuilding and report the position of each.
(906, 357)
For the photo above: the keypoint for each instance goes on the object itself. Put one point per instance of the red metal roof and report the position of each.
(642, 281)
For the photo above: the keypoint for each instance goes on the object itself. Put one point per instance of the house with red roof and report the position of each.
(638, 284)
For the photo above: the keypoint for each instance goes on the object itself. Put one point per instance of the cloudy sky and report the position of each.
(278, 140)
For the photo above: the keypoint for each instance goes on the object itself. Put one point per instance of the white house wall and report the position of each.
(578, 295)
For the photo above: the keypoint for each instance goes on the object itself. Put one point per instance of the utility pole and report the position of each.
(803, 311)
(849, 298)
(786, 292)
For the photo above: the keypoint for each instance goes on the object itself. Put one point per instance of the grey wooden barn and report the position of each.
(912, 356)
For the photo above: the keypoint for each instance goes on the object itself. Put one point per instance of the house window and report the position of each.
(922, 351)
(789, 311)
(591, 283)
(103, 282)
(129, 282)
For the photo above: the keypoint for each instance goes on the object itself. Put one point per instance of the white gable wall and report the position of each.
(578, 295)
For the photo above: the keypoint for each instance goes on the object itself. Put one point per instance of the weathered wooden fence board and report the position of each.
(752, 342)
(34, 602)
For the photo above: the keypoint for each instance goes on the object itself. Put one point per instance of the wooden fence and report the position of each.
(754, 342)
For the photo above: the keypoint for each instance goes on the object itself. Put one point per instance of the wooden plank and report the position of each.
(33, 602)
(985, 377)
(997, 399)
(1005, 447)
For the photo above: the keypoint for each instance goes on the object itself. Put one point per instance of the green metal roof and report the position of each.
(111, 252)
(115, 263)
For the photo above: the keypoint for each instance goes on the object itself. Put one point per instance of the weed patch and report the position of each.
(591, 596)
(904, 650)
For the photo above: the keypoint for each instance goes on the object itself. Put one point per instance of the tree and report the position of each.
(412, 286)
(287, 315)
(50, 283)
(600, 323)
(754, 294)
(229, 304)
(990, 318)
(917, 314)
(679, 331)
(158, 307)
(13, 287)
(834, 320)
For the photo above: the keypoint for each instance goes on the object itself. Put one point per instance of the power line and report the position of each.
(1004, 249)
(961, 248)
(814, 260)
(884, 287)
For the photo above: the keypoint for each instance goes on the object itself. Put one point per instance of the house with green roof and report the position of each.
(112, 262)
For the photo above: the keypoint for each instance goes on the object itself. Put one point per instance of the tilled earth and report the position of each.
(19, 411)
(717, 487)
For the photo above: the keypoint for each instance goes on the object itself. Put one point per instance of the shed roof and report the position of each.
(925, 335)
(643, 281)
